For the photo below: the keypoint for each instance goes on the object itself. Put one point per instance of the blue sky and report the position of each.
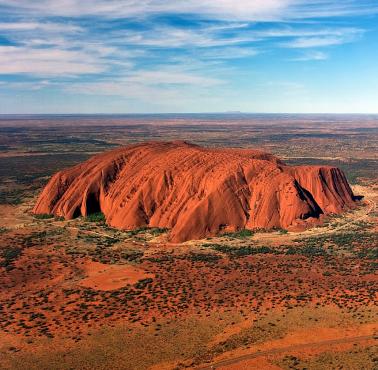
(151, 56)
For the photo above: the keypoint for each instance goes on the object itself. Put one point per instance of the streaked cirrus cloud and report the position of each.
(161, 49)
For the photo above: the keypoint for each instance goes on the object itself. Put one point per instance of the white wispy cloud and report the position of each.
(39, 26)
(166, 78)
(175, 37)
(170, 87)
(322, 41)
(74, 49)
(251, 10)
(26, 85)
(15, 60)
(244, 9)
(168, 91)
(314, 31)
(311, 42)
(159, 59)
(311, 55)
(229, 52)
(208, 37)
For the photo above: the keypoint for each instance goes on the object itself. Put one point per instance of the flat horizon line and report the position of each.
(189, 113)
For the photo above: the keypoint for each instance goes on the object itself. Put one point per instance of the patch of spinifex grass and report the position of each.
(98, 217)
(241, 234)
(43, 216)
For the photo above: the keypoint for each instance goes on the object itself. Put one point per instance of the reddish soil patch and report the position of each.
(7, 215)
(111, 277)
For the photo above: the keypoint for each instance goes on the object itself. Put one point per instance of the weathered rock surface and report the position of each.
(196, 192)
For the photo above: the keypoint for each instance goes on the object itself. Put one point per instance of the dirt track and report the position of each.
(274, 351)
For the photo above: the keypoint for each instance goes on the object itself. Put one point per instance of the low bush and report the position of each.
(241, 234)
(9, 255)
(242, 251)
(96, 217)
(43, 216)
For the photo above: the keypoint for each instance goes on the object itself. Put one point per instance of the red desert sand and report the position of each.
(195, 192)
(110, 277)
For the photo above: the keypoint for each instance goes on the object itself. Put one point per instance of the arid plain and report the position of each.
(80, 294)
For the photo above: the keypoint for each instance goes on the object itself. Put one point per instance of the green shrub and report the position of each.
(96, 217)
(201, 257)
(43, 216)
(9, 255)
(141, 284)
(157, 231)
(241, 251)
(241, 234)
(307, 250)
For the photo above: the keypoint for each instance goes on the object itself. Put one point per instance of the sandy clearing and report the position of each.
(7, 215)
(111, 277)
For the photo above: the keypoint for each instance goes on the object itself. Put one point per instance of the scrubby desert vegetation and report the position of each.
(80, 294)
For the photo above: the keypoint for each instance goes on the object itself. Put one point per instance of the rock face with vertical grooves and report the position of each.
(195, 192)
